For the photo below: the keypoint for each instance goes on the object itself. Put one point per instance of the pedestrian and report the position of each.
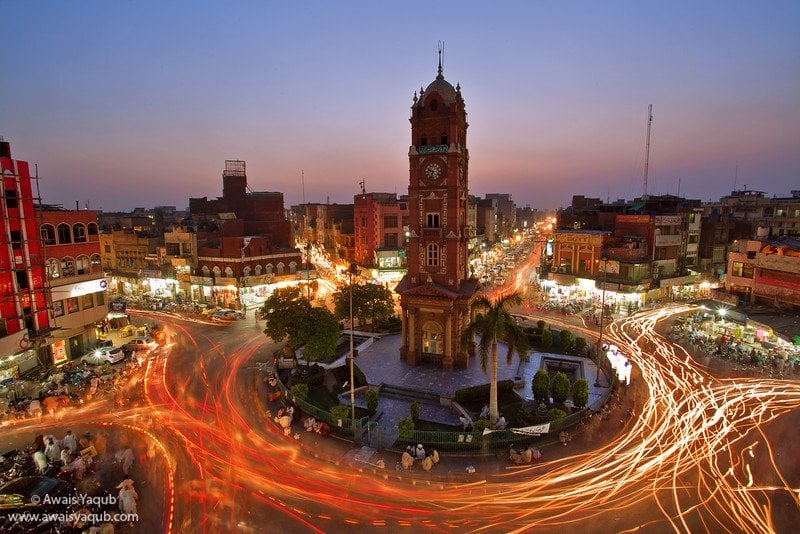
(35, 408)
(75, 465)
(127, 497)
(65, 456)
(125, 457)
(100, 444)
(70, 442)
(52, 449)
(39, 460)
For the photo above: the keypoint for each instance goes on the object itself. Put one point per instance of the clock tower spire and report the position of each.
(436, 291)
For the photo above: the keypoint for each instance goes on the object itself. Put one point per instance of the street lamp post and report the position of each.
(351, 271)
(602, 318)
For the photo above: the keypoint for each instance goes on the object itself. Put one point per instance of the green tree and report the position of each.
(493, 323)
(559, 388)
(341, 411)
(541, 385)
(286, 314)
(554, 414)
(547, 339)
(371, 303)
(414, 409)
(372, 400)
(580, 392)
(321, 334)
(540, 324)
(580, 346)
(406, 427)
(565, 340)
(300, 390)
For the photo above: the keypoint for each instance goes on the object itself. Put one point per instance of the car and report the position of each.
(28, 492)
(103, 355)
(226, 315)
(140, 344)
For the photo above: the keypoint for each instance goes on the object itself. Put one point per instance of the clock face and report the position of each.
(433, 171)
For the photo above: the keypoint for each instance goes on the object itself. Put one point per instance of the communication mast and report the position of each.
(647, 149)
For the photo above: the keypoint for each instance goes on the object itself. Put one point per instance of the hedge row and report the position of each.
(481, 393)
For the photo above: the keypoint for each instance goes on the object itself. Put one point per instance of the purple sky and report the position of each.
(139, 103)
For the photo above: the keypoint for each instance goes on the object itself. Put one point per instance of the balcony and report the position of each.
(432, 149)
(431, 233)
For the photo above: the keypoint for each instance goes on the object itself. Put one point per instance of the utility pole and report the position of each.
(647, 150)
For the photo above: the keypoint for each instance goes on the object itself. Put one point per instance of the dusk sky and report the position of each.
(139, 103)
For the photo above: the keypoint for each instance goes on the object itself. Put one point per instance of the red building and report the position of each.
(381, 221)
(23, 309)
(437, 291)
(77, 285)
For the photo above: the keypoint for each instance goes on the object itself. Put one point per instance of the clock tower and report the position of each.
(436, 292)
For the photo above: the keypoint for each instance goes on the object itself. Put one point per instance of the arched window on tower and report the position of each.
(432, 341)
(423, 141)
(444, 139)
(432, 255)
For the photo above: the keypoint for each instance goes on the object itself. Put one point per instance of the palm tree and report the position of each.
(491, 324)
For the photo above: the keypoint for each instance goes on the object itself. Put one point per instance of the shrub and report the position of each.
(554, 414)
(580, 345)
(541, 385)
(565, 340)
(414, 411)
(540, 324)
(559, 389)
(406, 427)
(479, 426)
(580, 392)
(300, 390)
(547, 339)
(372, 400)
(342, 412)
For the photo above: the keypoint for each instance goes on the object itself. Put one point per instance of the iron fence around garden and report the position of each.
(371, 433)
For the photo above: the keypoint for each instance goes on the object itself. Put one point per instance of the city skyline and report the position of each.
(140, 104)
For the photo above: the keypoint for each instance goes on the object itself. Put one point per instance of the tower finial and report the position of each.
(441, 53)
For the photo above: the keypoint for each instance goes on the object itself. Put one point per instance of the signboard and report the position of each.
(201, 280)
(79, 289)
(225, 281)
(611, 267)
(636, 219)
(59, 352)
(150, 273)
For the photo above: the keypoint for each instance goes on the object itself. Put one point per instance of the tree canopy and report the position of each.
(371, 303)
(290, 315)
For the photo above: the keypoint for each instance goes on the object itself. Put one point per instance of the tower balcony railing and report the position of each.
(432, 149)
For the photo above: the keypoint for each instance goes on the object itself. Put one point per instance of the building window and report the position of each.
(433, 220)
(268, 269)
(293, 267)
(390, 240)
(72, 305)
(64, 235)
(423, 141)
(58, 308)
(217, 271)
(87, 301)
(432, 338)
(67, 267)
(82, 265)
(390, 221)
(108, 249)
(11, 198)
(51, 268)
(101, 298)
(246, 271)
(79, 232)
(92, 229)
(280, 268)
(694, 238)
(206, 272)
(258, 270)
(173, 249)
(433, 255)
(444, 139)
(228, 272)
(95, 263)
(48, 234)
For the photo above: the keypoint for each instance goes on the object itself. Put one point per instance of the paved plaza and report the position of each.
(381, 364)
